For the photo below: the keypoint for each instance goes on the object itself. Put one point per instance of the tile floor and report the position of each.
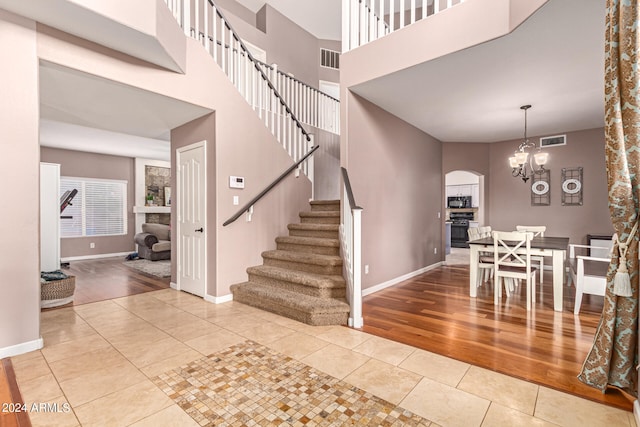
(100, 362)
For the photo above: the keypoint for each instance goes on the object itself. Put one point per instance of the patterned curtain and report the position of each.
(614, 355)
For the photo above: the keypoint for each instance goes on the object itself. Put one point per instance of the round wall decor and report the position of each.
(571, 186)
(540, 194)
(540, 187)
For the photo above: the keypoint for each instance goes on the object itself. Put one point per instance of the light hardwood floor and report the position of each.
(434, 312)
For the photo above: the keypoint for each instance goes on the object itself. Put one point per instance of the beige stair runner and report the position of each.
(302, 278)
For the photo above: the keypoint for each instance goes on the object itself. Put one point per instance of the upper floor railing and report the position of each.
(312, 106)
(364, 21)
(203, 21)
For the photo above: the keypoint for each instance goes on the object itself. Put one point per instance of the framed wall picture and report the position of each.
(167, 196)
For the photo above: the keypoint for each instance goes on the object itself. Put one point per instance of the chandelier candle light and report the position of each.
(522, 163)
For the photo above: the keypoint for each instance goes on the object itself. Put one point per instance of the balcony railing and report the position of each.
(364, 21)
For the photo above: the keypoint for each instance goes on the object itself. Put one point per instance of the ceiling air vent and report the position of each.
(330, 59)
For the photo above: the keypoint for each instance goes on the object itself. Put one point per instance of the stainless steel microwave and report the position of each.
(459, 202)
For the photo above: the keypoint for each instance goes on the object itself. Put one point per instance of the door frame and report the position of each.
(176, 201)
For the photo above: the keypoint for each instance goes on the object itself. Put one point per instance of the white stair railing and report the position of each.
(364, 21)
(203, 21)
(311, 106)
(350, 243)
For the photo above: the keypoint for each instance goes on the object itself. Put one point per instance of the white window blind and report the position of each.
(99, 208)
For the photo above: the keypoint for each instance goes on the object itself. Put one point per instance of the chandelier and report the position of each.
(522, 162)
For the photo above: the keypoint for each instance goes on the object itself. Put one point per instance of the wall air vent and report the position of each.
(330, 59)
(552, 141)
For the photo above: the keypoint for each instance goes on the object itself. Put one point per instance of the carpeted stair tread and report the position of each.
(309, 241)
(299, 277)
(320, 214)
(290, 299)
(314, 227)
(304, 258)
(325, 205)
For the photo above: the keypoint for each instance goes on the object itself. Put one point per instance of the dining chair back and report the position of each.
(484, 231)
(512, 260)
(588, 273)
(485, 261)
(537, 230)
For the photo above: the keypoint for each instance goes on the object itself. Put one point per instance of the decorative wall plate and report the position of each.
(540, 194)
(572, 186)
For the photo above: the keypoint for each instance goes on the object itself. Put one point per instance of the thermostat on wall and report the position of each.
(236, 182)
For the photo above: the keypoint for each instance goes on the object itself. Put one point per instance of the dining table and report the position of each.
(553, 247)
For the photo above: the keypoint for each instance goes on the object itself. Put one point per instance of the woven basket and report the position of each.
(57, 292)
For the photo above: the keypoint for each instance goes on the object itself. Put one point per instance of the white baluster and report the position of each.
(207, 44)
(424, 9)
(372, 21)
(215, 34)
(355, 24)
(186, 25)
(449, 3)
(392, 16)
(362, 30)
(381, 19)
(196, 24)
(346, 25)
(223, 50)
(413, 11)
(436, 6)
(402, 12)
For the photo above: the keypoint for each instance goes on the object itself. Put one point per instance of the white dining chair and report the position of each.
(511, 263)
(485, 260)
(588, 274)
(537, 230)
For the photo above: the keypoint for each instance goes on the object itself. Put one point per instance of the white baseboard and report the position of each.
(636, 412)
(173, 285)
(219, 300)
(97, 256)
(25, 347)
(397, 280)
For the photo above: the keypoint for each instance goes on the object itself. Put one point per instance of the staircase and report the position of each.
(302, 278)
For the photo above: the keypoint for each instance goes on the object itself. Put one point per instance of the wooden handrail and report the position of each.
(253, 201)
(347, 184)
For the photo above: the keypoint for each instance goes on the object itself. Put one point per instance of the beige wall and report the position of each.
(396, 174)
(327, 165)
(473, 158)
(91, 165)
(202, 129)
(482, 21)
(294, 49)
(243, 147)
(508, 199)
(19, 146)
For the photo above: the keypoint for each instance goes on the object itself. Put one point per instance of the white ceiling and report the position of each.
(553, 61)
(83, 112)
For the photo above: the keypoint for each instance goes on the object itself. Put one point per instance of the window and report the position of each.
(99, 208)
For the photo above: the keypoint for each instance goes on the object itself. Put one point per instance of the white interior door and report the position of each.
(191, 209)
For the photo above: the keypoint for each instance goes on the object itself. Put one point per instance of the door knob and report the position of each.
(200, 230)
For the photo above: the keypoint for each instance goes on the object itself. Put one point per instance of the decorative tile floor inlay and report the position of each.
(251, 385)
